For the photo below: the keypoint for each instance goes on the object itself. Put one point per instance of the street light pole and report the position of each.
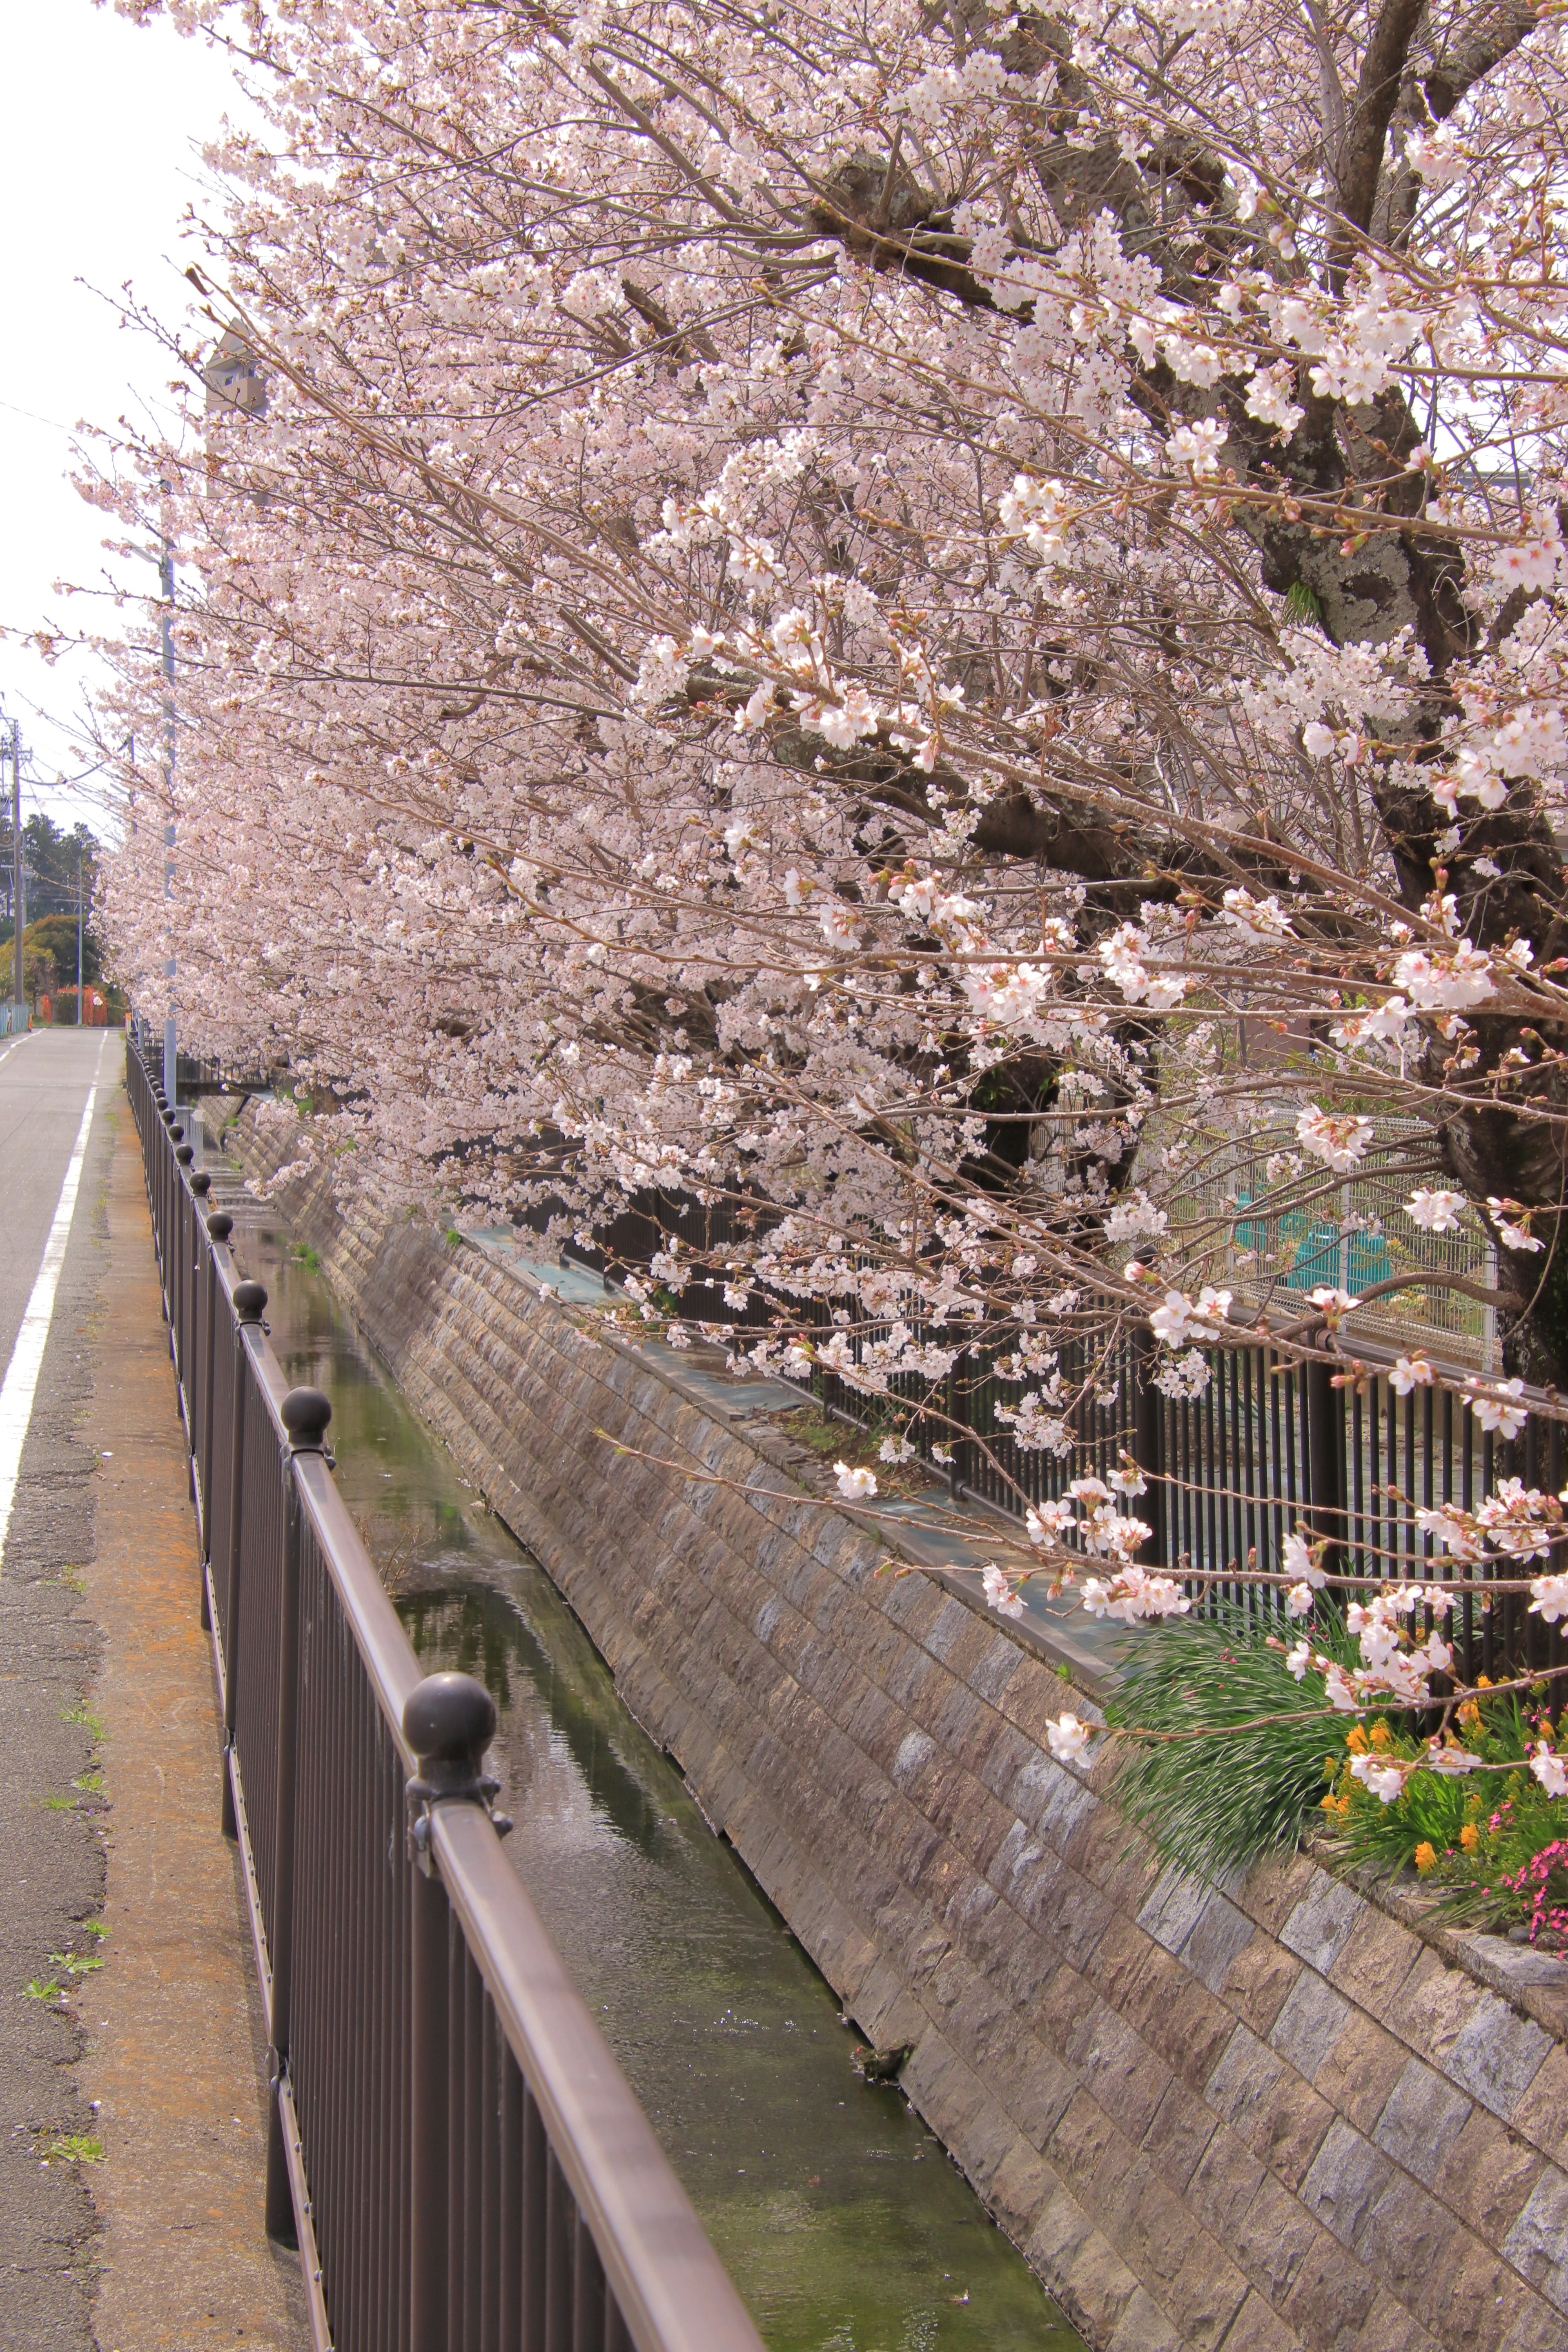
(78, 933)
(166, 589)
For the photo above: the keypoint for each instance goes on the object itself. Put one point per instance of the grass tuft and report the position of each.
(1214, 1805)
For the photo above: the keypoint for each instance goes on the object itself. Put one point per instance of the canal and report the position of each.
(840, 2217)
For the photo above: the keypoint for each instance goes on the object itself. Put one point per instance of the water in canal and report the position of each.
(845, 2226)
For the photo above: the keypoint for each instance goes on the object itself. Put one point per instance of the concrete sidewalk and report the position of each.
(131, 2198)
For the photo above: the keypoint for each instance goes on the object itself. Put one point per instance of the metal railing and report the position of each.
(197, 1074)
(452, 2146)
(1271, 1444)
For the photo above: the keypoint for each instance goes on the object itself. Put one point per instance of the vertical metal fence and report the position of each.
(1269, 1444)
(452, 2146)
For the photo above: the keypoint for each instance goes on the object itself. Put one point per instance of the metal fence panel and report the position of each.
(452, 2145)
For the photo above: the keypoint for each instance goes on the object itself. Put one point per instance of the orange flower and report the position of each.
(1330, 1804)
(1380, 1736)
(1469, 1837)
(1344, 1806)
(1426, 1855)
(1483, 1681)
(1355, 1740)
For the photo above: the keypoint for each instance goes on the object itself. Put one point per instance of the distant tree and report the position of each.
(53, 857)
(54, 936)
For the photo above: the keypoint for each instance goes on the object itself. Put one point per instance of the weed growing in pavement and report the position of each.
(75, 2148)
(43, 1989)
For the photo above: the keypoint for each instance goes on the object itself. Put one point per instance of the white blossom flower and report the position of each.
(1301, 1560)
(1549, 1598)
(1198, 444)
(1452, 1762)
(1550, 1768)
(1183, 1376)
(1268, 397)
(895, 1449)
(1298, 1599)
(1341, 1143)
(1134, 1216)
(1410, 1371)
(1383, 1776)
(1066, 1737)
(852, 1484)
(999, 1593)
(1256, 919)
(1513, 1236)
(1435, 1209)
(1045, 1522)
(1435, 154)
(1497, 1406)
(1533, 565)
(1450, 983)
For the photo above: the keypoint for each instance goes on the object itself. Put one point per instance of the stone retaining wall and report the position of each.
(1255, 2121)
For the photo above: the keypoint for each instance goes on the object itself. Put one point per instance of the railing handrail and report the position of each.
(672, 2290)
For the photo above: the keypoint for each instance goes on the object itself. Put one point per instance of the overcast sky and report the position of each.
(100, 159)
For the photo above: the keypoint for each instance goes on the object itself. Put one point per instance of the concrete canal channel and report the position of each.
(840, 2217)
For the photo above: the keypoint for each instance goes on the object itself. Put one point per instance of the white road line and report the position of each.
(27, 1355)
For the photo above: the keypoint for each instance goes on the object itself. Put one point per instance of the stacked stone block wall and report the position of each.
(1259, 2120)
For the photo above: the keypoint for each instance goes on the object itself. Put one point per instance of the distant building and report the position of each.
(233, 379)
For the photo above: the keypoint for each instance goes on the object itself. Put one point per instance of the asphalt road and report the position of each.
(51, 1855)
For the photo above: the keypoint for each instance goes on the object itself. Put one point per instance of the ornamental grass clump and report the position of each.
(1244, 1771)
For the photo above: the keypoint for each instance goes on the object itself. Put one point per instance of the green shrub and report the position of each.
(1215, 1803)
(1491, 1847)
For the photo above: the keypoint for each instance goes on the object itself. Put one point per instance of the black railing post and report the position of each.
(161, 1199)
(249, 1299)
(449, 1720)
(1148, 1428)
(955, 1465)
(1323, 1457)
(202, 1385)
(305, 1414)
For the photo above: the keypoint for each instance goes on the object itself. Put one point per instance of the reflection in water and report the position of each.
(837, 2212)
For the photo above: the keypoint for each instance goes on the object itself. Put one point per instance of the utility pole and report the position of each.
(18, 871)
(78, 933)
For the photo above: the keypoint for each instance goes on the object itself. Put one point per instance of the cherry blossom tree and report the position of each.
(924, 621)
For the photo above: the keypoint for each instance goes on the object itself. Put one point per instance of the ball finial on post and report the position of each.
(305, 1413)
